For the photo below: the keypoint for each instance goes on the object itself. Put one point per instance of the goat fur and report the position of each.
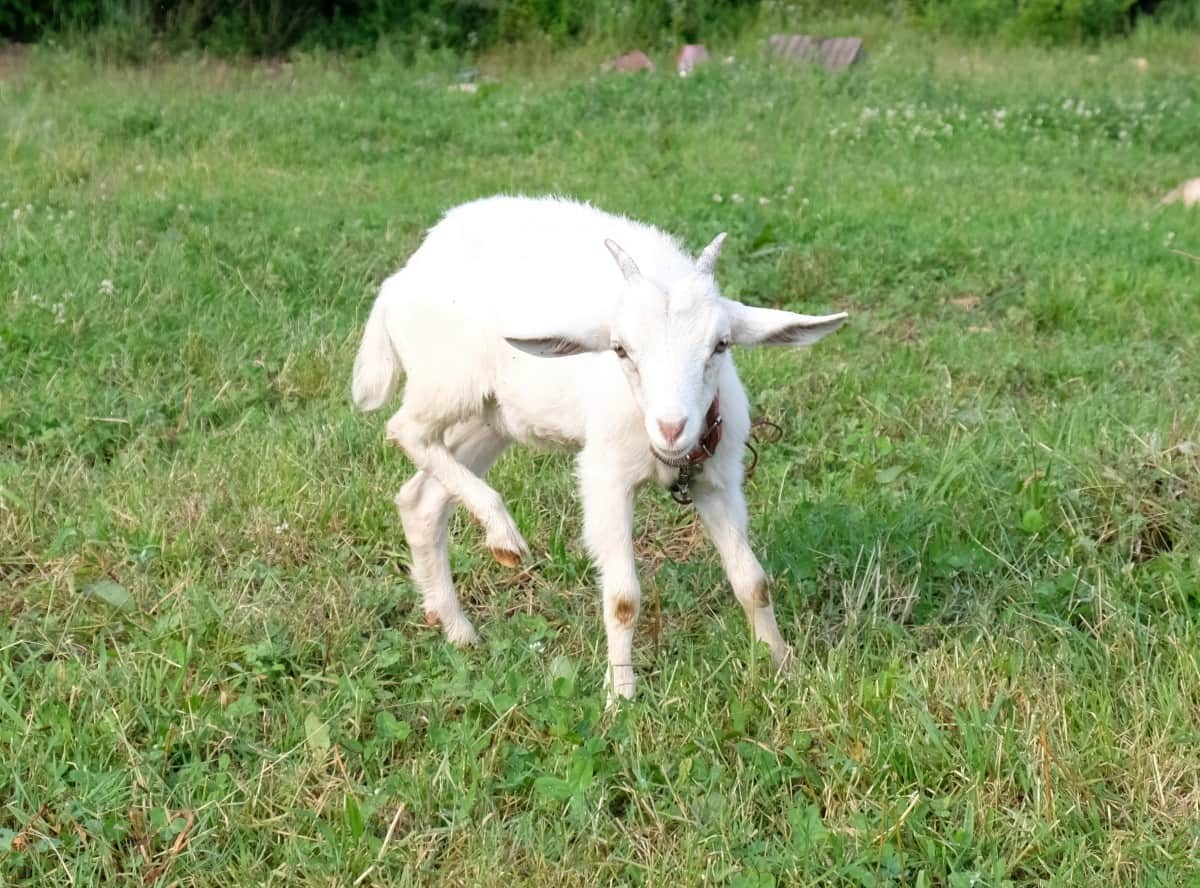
(551, 323)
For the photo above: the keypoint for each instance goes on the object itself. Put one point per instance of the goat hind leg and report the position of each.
(425, 506)
(425, 447)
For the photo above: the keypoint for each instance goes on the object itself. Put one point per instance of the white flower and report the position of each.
(140, 168)
(106, 287)
(737, 198)
(281, 527)
(717, 198)
(763, 201)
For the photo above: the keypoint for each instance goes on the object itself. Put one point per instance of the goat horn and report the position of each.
(708, 259)
(628, 266)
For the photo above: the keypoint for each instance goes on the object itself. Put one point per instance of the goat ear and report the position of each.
(560, 346)
(770, 326)
(624, 261)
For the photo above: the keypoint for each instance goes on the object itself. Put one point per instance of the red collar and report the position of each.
(712, 434)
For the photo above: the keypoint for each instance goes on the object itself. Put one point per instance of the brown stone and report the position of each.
(632, 61)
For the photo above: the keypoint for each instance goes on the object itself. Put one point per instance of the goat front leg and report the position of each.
(608, 533)
(425, 447)
(722, 507)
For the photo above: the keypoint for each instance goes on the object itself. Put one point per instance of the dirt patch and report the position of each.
(656, 544)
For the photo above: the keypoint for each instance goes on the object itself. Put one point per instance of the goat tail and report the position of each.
(376, 366)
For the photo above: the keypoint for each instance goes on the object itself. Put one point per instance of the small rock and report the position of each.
(689, 57)
(1188, 192)
(631, 61)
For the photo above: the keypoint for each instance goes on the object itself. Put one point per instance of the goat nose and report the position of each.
(672, 430)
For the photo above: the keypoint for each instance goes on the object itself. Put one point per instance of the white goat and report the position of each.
(643, 384)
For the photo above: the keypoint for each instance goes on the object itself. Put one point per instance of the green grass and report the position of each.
(982, 517)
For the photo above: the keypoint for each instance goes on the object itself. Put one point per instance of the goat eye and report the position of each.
(721, 346)
(620, 350)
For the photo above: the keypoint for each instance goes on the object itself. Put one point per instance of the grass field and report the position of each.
(981, 519)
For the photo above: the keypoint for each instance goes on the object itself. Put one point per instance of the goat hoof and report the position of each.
(785, 661)
(507, 557)
(457, 628)
(461, 633)
(615, 696)
(507, 545)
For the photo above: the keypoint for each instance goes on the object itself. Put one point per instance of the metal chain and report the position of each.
(681, 490)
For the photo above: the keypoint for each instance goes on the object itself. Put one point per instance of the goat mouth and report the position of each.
(675, 460)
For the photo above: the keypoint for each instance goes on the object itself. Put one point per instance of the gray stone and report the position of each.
(834, 53)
